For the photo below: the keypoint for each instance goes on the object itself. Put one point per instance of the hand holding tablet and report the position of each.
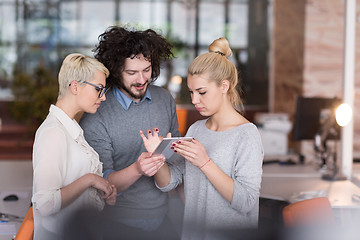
(164, 146)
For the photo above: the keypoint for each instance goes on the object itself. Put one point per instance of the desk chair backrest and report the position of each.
(26, 230)
(315, 211)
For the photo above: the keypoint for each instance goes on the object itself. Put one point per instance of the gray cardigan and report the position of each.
(239, 153)
(114, 133)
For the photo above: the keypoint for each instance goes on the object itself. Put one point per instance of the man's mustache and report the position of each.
(140, 85)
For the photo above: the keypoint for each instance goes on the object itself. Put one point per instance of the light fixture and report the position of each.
(175, 85)
(330, 120)
(343, 114)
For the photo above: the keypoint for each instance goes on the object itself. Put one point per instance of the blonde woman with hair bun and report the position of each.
(222, 165)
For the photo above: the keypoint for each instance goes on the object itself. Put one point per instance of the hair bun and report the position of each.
(220, 46)
(222, 54)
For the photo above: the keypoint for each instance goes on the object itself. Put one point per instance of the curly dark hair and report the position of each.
(118, 43)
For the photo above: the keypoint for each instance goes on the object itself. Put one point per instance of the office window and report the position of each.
(211, 22)
(70, 24)
(238, 25)
(183, 17)
(42, 32)
(146, 14)
(94, 19)
(7, 23)
(7, 44)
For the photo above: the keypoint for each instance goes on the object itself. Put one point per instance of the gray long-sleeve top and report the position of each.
(239, 153)
(114, 133)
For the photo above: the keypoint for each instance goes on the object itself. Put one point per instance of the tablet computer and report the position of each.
(166, 143)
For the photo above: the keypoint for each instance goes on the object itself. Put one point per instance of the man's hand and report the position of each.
(148, 164)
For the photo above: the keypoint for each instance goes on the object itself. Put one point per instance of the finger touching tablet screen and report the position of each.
(164, 146)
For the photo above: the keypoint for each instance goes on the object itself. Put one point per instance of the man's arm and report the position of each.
(96, 133)
(146, 165)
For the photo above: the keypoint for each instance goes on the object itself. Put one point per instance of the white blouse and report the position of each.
(61, 155)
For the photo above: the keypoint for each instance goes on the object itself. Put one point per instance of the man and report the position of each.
(133, 104)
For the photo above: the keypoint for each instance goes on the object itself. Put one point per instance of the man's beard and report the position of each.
(134, 94)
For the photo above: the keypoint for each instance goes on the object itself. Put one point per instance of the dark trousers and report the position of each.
(113, 230)
(92, 225)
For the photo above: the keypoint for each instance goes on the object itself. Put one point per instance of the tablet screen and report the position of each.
(164, 146)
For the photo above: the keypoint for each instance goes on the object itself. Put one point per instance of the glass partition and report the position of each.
(37, 33)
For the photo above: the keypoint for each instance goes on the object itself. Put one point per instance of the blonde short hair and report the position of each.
(218, 67)
(80, 68)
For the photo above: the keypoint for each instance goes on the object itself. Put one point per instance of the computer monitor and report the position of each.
(307, 117)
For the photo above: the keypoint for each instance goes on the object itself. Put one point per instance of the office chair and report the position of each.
(26, 230)
(182, 115)
(309, 212)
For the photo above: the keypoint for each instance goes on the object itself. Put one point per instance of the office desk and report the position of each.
(296, 182)
(15, 177)
(292, 183)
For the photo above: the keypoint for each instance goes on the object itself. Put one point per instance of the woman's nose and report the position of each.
(194, 99)
(103, 97)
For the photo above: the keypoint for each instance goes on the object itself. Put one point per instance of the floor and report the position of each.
(16, 177)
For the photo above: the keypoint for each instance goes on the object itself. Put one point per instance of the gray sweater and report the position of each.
(239, 153)
(114, 133)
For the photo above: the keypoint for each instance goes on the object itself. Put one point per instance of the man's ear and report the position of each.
(225, 86)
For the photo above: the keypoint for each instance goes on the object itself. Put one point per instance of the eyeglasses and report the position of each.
(101, 90)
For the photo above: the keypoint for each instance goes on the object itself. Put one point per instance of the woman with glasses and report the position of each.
(67, 172)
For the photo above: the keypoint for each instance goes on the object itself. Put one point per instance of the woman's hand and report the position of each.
(196, 154)
(102, 185)
(152, 140)
(192, 151)
(111, 200)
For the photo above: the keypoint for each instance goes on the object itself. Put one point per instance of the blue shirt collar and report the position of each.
(125, 101)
